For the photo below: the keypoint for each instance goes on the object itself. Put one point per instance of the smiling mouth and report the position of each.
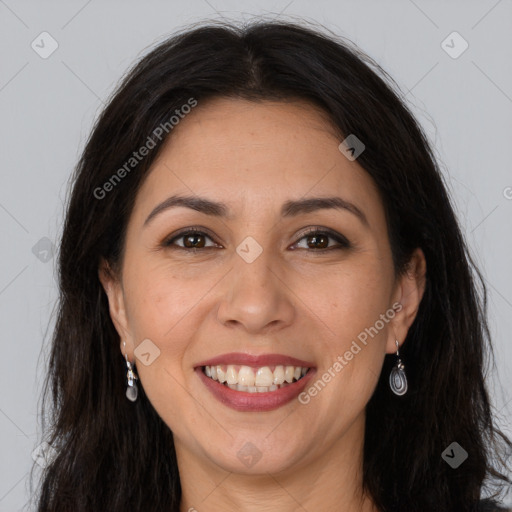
(250, 379)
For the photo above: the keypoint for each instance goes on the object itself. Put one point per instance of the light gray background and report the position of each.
(48, 106)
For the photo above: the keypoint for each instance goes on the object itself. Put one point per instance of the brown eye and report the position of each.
(318, 241)
(191, 239)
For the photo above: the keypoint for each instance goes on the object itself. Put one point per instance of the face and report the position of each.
(265, 286)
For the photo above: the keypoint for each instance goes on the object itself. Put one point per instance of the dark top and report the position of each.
(491, 506)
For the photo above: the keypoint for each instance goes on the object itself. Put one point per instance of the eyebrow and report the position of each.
(289, 208)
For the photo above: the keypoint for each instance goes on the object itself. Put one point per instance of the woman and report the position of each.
(266, 300)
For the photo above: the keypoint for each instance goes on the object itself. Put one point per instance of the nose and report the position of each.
(256, 297)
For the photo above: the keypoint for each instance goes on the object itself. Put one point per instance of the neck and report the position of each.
(332, 480)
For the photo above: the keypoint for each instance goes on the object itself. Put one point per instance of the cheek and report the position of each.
(156, 298)
(355, 316)
(157, 310)
(353, 347)
(352, 298)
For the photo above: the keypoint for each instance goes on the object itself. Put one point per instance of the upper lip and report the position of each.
(255, 360)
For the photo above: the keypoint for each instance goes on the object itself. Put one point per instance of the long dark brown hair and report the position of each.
(115, 455)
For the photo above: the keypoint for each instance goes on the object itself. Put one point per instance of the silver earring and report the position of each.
(397, 378)
(131, 390)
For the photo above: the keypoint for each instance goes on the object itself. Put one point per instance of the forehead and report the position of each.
(256, 154)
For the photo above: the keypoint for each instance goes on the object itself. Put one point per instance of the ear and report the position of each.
(408, 293)
(113, 288)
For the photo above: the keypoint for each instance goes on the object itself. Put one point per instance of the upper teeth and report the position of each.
(248, 376)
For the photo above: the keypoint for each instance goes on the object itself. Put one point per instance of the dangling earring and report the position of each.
(397, 378)
(132, 390)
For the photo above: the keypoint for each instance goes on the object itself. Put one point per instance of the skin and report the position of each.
(254, 156)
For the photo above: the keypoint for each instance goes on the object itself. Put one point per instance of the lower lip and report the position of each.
(249, 402)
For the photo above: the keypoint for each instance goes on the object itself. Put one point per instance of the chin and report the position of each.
(254, 454)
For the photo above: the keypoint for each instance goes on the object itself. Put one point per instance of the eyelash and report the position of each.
(342, 241)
